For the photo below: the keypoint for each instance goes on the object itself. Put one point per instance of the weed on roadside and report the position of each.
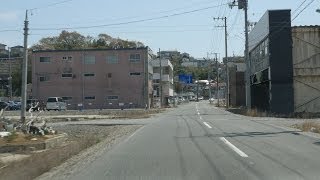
(308, 126)
(39, 163)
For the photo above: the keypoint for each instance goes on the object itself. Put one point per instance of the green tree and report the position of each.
(17, 81)
(74, 40)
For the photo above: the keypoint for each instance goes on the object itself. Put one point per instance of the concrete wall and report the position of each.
(306, 70)
(237, 87)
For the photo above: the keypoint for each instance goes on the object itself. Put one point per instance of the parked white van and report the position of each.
(56, 103)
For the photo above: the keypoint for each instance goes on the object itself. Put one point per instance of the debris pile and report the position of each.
(33, 126)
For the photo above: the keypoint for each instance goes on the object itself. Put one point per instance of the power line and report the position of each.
(10, 30)
(130, 22)
(303, 9)
(173, 31)
(298, 7)
(133, 17)
(234, 22)
(50, 5)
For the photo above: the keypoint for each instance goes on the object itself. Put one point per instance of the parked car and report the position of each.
(200, 97)
(18, 103)
(56, 103)
(13, 105)
(3, 105)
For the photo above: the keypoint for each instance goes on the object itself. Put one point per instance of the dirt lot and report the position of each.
(80, 139)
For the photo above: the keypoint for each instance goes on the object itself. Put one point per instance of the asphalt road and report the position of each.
(199, 141)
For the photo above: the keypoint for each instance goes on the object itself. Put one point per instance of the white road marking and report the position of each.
(198, 113)
(205, 123)
(233, 147)
(133, 134)
(200, 117)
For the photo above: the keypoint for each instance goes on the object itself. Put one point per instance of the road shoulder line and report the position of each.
(205, 123)
(233, 147)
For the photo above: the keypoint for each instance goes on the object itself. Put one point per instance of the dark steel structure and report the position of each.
(271, 69)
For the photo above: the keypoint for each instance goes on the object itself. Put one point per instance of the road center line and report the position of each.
(205, 123)
(233, 147)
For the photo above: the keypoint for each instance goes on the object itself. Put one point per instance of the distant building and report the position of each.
(16, 51)
(3, 51)
(167, 80)
(170, 54)
(94, 78)
(189, 64)
(204, 63)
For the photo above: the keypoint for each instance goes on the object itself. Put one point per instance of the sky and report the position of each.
(186, 26)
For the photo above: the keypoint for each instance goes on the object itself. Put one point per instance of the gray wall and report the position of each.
(306, 61)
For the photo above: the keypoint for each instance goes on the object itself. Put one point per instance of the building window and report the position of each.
(113, 98)
(89, 59)
(156, 81)
(134, 57)
(65, 58)
(67, 75)
(88, 74)
(109, 75)
(43, 78)
(44, 59)
(90, 97)
(156, 69)
(112, 59)
(135, 74)
(67, 98)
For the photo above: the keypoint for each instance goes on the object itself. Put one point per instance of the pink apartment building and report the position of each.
(94, 78)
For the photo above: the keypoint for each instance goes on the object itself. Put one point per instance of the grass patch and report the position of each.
(309, 126)
(133, 114)
(11, 137)
(20, 138)
(42, 162)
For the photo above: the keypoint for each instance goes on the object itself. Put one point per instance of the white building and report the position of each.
(167, 81)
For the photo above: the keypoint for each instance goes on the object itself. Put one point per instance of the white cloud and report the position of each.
(8, 16)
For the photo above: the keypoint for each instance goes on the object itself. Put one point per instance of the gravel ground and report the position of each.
(108, 135)
(85, 112)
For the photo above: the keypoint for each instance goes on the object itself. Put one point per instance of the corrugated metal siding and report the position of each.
(306, 70)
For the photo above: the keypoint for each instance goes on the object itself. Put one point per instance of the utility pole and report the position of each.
(209, 70)
(226, 57)
(24, 71)
(197, 89)
(243, 4)
(160, 81)
(217, 69)
(248, 83)
(10, 74)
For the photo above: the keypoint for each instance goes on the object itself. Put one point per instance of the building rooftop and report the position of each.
(104, 49)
